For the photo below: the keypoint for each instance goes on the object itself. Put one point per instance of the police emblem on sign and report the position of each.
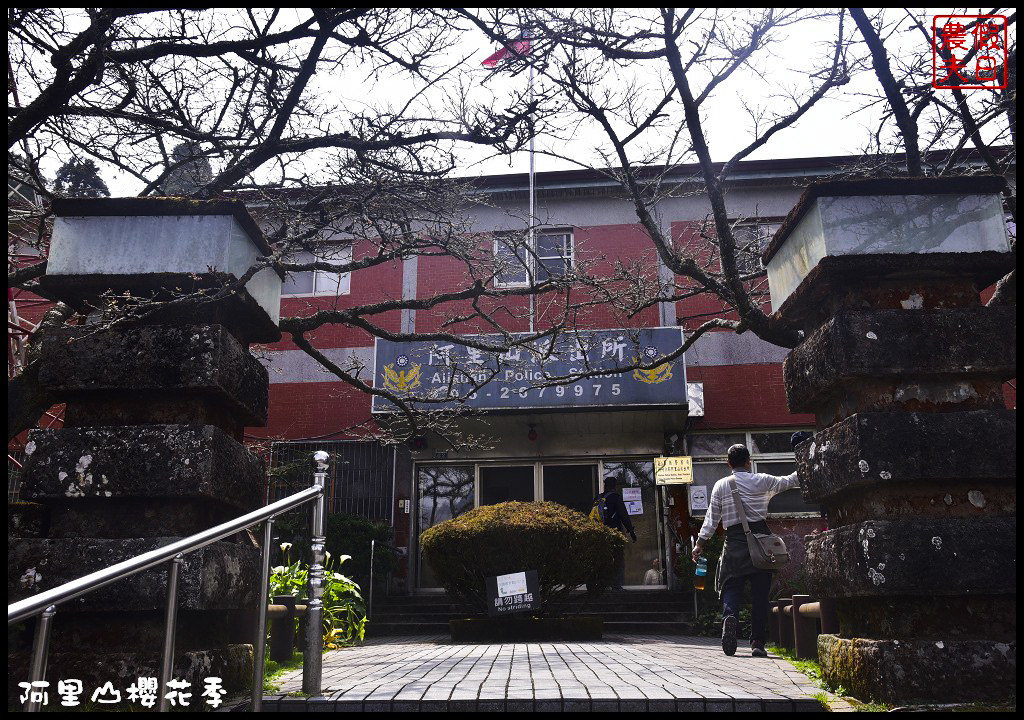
(656, 375)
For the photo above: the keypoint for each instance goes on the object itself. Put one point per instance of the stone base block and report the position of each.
(933, 671)
(232, 664)
(868, 450)
(915, 557)
(120, 630)
(26, 520)
(872, 360)
(132, 517)
(142, 461)
(993, 617)
(220, 576)
(893, 280)
(196, 360)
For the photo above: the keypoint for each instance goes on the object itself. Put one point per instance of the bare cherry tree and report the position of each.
(338, 127)
(918, 118)
(648, 80)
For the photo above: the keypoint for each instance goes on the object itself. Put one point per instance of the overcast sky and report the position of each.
(838, 125)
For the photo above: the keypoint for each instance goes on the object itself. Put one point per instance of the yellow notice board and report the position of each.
(673, 470)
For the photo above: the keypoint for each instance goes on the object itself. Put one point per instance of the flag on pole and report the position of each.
(518, 47)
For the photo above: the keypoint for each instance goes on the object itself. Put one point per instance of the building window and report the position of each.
(752, 238)
(319, 282)
(770, 453)
(515, 263)
(554, 254)
(511, 261)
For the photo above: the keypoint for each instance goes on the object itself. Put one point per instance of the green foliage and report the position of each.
(685, 567)
(344, 534)
(811, 669)
(344, 609)
(823, 699)
(273, 670)
(565, 547)
(290, 578)
(351, 535)
(709, 623)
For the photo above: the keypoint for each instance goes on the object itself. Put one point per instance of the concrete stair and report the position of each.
(629, 611)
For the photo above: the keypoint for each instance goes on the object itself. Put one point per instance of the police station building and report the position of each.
(550, 442)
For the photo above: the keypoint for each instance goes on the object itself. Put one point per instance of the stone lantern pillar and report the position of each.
(914, 458)
(151, 450)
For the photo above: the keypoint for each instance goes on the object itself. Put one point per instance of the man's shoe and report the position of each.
(729, 635)
(757, 650)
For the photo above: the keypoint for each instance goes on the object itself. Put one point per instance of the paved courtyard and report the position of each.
(640, 673)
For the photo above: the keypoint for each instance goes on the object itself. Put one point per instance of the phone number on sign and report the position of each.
(579, 390)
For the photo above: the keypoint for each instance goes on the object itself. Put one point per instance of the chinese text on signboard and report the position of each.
(673, 470)
(546, 374)
(512, 593)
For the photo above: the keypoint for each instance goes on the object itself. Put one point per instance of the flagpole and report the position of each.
(533, 247)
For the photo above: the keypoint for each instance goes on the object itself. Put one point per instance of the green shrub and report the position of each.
(565, 547)
(345, 535)
(351, 535)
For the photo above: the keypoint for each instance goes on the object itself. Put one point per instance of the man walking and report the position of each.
(755, 490)
(616, 517)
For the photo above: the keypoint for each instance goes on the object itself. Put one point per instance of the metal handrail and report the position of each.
(45, 603)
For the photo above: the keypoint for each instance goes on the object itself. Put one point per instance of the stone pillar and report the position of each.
(151, 447)
(914, 458)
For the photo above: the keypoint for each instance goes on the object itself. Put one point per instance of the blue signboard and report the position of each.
(540, 375)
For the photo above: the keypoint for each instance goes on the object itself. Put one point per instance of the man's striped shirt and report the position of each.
(755, 490)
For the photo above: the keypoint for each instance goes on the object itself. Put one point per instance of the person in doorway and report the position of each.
(736, 569)
(653, 576)
(616, 517)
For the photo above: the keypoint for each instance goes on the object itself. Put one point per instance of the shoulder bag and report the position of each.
(767, 552)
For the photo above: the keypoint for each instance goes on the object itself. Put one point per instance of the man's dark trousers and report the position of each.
(732, 595)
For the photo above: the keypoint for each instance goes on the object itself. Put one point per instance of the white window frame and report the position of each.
(773, 224)
(570, 257)
(344, 286)
(512, 252)
(755, 458)
(534, 257)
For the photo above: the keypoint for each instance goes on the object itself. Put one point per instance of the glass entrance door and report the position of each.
(504, 483)
(445, 492)
(645, 559)
(574, 486)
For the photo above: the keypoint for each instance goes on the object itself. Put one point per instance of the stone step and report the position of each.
(632, 596)
(611, 627)
(631, 617)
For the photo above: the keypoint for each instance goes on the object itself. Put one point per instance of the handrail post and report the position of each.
(805, 630)
(369, 609)
(170, 621)
(258, 658)
(40, 650)
(829, 618)
(785, 624)
(312, 659)
(773, 622)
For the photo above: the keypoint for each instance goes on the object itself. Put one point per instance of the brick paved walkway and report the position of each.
(657, 672)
